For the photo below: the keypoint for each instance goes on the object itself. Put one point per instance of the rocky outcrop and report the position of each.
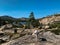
(51, 38)
(50, 19)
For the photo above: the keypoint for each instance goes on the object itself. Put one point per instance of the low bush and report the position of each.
(57, 31)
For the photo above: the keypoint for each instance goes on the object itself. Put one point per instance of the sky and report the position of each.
(23, 8)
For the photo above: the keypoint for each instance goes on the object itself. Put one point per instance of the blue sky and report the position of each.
(22, 8)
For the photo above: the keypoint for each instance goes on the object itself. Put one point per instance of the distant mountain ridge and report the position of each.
(12, 18)
(7, 17)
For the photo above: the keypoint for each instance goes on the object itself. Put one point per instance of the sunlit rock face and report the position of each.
(50, 19)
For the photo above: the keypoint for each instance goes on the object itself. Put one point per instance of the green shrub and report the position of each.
(57, 31)
(54, 25)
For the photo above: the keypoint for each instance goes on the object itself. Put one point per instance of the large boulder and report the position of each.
(51, 37)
